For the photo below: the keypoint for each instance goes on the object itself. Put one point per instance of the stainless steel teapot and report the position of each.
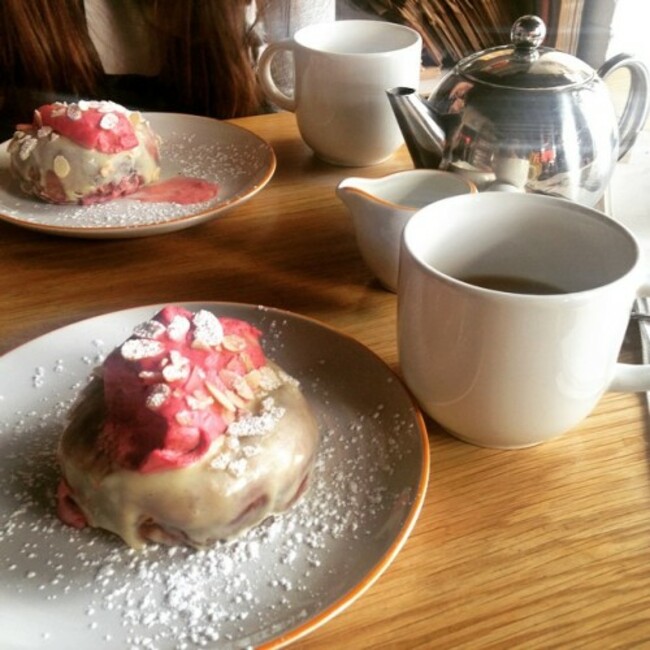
(524, 117)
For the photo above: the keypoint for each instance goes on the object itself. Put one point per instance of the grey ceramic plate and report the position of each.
(61, 588)
(239, 161)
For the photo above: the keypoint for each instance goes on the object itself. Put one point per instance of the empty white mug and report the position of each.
(512, 310)
(342, 72)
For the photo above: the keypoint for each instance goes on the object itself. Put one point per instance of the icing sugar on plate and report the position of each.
(62, 588)
(238, 161)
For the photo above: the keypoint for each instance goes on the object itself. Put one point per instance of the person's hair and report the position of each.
(206, 53)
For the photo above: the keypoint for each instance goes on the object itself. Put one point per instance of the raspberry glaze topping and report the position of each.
(100, 126)
(174, 387)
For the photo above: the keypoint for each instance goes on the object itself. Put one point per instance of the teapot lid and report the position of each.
(525, 64)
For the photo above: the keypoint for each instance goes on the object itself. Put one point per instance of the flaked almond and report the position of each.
(235, 399)
(158, 395)
(232, 443)
(233, 343)
(228, 377)
(172, 372)
(136, 349)
(61, 166)
(253, 379)
(248, 451)
(26, 147)
(246, 360)
(220, 461)
(220, 396)
(243, 388)
(150, 375)
(178, 367)
(14, 144)
(150, 329)
(184, 418)
(73, 112)
(199, 401)
(207, 327)
(237, 467)
(269, 378)
(178, 328)
(108, 122)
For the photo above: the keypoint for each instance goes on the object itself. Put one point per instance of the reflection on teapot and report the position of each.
(525, 117)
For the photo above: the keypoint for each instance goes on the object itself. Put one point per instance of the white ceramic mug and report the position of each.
(342, 71)
(497, 367)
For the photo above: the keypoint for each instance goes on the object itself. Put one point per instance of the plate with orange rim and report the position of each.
(238, 161)
(61, 587)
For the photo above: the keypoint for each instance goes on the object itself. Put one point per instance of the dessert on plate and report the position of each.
(85, 152)
(187, 434)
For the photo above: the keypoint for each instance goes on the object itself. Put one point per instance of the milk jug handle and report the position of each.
(635, 112)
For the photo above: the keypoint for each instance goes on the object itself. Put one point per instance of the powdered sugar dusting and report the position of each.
(86, 589)
(220, 153)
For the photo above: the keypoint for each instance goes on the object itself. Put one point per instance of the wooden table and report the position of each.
(545, 547)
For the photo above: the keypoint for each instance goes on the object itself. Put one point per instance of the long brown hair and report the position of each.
(206, 54)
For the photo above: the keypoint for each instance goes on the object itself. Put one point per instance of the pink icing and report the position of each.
(89, 128)
(176, 432)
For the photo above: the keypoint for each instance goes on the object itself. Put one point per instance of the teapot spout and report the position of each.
(424, 137)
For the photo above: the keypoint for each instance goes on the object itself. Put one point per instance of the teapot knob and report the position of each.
(528, 32)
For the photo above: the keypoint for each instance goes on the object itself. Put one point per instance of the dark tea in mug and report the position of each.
(513, 284)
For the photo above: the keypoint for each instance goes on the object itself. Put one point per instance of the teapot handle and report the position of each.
(636, 106)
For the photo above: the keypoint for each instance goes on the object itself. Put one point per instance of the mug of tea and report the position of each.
(512, 310)
(342, 70)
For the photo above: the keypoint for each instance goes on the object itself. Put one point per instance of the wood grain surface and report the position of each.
(541, 548)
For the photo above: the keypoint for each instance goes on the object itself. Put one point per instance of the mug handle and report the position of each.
(265, 75)
(632, 377)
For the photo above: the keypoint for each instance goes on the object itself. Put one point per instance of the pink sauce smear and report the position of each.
(179, 189)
